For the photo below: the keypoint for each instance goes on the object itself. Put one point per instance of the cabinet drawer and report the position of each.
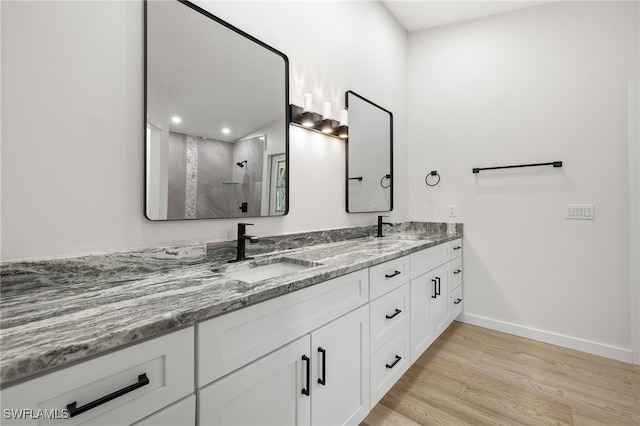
(387, 276)
(388, 365)
(167, 362)
(181, 413)
(456, 248)
(456, 272)
(389, 315)
(456, 300)
(232, 340)
(428, 259)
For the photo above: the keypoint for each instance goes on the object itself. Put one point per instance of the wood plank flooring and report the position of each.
(475, 376)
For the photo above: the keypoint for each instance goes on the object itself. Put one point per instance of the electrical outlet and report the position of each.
(453, 210)
(580, 211)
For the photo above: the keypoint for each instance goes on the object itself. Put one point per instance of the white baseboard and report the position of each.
(587, 346)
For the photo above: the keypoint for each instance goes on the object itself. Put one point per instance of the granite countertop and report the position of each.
(56, 315)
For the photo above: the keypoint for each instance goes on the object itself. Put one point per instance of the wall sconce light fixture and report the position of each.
(324, 124)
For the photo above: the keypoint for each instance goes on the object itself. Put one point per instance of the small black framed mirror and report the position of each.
(216, 118)
(369, 158)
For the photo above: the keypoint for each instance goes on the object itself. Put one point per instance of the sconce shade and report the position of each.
(326, 110)
(343, 117)
(343, 132)
(307, 119)
(327, 126)
(308, 102)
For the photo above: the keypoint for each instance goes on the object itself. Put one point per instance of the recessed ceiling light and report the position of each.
(225, 130)
(176, 119)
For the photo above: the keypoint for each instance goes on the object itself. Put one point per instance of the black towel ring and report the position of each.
(382, 180)
(432, 173)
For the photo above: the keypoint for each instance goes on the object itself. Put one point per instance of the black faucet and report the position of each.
(242, 240)
(380, 223)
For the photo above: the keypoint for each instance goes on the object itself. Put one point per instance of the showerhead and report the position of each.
(242, 163)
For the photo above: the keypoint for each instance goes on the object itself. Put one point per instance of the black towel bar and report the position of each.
(554, 164)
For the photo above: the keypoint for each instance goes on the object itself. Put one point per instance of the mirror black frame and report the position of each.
(287, 111)
(346, 103)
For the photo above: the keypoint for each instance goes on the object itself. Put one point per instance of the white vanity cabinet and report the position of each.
(230, 341)
(118, 388)
(436, 293)
(319, 379)
(305, 355)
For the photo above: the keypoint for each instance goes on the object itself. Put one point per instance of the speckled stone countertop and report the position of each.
(58, 311)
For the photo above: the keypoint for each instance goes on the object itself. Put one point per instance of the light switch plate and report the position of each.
(580, 211)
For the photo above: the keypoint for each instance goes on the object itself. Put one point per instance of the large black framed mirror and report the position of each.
(369, 156)
(216, 118)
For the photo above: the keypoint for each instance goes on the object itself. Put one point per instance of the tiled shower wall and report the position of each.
(204, 180)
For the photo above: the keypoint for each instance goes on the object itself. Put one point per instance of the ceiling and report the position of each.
(416, 15)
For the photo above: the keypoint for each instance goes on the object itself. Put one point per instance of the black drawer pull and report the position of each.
(457, 271)
(393, 315)
(393, 275)
(457, 301)
(324, 367)
(393, 364)
(435, 294)
(74, 411)
(438, 291)
(457, 247)
(305, 391)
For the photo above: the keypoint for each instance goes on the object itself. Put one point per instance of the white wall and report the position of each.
(72, 119)
(535, 85)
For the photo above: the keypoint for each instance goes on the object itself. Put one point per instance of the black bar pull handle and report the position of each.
(438, 291)
(393, 315)
(143, 380)
(434, 295)
(457, 247)
(393, 364)
(457, 271)
(392, 275)
(355, 178)
(457, 301)
(322, 380)
(305, 391)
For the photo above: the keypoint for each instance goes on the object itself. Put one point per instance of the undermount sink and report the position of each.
(403, 237)
(252, 272)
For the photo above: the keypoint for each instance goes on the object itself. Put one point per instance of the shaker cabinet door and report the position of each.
(340, 379)
(421, 329)
(270, 391)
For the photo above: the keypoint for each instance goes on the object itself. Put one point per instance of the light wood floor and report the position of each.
(472, 375)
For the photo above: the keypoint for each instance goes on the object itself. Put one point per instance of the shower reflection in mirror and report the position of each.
(208, 178)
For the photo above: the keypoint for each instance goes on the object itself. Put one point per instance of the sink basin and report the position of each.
(252, 272)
